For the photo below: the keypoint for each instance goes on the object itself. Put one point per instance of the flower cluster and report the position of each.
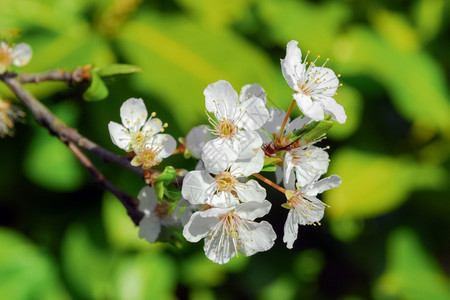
(220, 200)
(140, 135)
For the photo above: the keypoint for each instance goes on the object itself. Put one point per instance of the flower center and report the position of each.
(295, 200)
(137, 140)
(226, 129)
(162, 209)
(5, 57)
(225, 182)
(305, 88)
(149, 158)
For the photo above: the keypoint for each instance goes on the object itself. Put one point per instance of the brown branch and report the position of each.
(128, 202)
(73, 139)
(56, 127)
(76, 76)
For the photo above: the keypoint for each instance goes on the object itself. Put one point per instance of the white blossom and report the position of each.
(235, 127)
(154, 150)
(308, 163)
(227, 187)
(314, 87)
(19, 55)
(155, 214)
(228, 231)
(306, 208)
(141, 135)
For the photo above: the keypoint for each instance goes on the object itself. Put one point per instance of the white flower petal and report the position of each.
(219, 154)
(246, 167)
(248, 142)
(133, 114)
(327, 81)
(297, 123)
(330, 106)
(252, 90)
(149, 228)
(291, 228)
(253, 209)
(153, 126)
(309, 210)
(223, 199)
(256, 237)
(251, 114)
(199, 226)
(250, 191)
(221, 99)
(322, 185)
(21, 54)
(196, 185)
(197, 138)
(292, 65)
(309, 108)
(119, 135)
(147, 199)
(167, 142)
(220, 246)
(273, 123)
(310, 164)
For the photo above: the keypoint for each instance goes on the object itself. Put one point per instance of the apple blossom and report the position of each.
(305, 208)
(313, 86)
(228, 231)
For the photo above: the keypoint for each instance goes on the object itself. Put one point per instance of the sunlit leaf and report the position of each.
(26, 272)
(145, 276)
(97, 89)
(119, 228)
(374, 184)
(86, 266)
(428, 15)
(315, 26)
(117, 69)
(179, 59)
(415, 81)
(197, 270)
(391, 26)
(216, 13)
(410, 271)
(352, 101)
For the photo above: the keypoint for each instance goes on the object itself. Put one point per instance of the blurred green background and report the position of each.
(387, 232)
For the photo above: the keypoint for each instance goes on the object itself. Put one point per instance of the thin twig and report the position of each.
(76, 76)
(128, 202)
(56, 127)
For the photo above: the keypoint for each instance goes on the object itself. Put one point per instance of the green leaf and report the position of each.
(86, 266)
(288, 20)
(216, 13)
(120, 230)
(410, 271)
(353, 103)
(374, 184)
(180, 58)
(163, 184)
(97, 90)
(144, 276)
(418, 90)
(117, 69)
(312, 131)
(26, 272)
(269, 168)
